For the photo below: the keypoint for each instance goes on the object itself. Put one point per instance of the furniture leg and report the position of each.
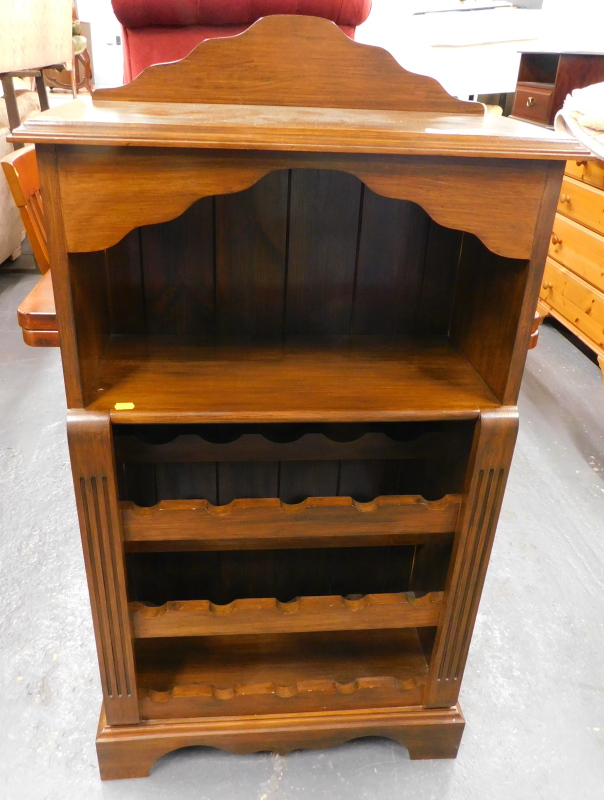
(10, 98)
(601, 365)
(542, 312)
(92, 459)
(41, 89)
(492, 451)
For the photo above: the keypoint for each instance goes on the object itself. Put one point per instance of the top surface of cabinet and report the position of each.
(301, 85)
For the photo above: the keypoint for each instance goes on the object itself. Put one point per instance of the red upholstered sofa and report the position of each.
(156, 31)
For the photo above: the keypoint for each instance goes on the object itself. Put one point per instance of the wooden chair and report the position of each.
(36, 314)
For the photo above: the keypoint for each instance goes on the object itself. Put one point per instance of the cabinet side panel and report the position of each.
(91, 450)
(494, 335)
(48, 167)
(88, 278)
(488, 301)
(490, 460)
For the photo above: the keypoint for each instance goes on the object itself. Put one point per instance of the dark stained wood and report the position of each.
(485, 196)
(307, 318)
(313, 379)
(279, 673)
(313, 447)
(264, 522)
(187, 481)
(319, 300)
(390, 273)
(130, 751)
(275, 128)
(552, 76)
(125, 285)
(90, 448)
(253, 479)
(251, 245)
(57, 248)
(487, 475)
(269, 615)
(433, 315)
(91, 313)
(178, 273)
(316, 64)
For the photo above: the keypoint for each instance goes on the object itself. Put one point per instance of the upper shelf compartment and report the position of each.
(292, 83)
(348, 379)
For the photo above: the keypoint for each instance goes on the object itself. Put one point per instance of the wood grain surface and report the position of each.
(267, 521)
(129, 751)
(339, 379)
(268, 615)
(123, 188)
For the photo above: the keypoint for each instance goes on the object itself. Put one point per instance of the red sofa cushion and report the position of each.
(181, 13)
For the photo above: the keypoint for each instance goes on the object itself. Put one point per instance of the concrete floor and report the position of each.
(533, 693)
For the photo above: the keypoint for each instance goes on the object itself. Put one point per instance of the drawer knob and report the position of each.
(556, 239)
(581, 163)
(547, 285)
(530, 102)
(565, 198)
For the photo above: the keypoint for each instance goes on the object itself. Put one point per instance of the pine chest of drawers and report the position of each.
(573, 283)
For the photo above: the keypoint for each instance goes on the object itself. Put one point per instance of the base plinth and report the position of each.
(129, 751)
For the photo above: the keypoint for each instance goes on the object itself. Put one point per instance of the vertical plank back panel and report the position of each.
(323, 233)
(301, 479)
(178, 272)
(251, 234)
(247, 479)
(392, 248)
(125, 280)
(443, 246)
(191, 481)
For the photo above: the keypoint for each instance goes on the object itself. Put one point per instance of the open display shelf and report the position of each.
(294, 308)
(360, 378)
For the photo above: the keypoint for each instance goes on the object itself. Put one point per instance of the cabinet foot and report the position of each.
(601, 365)
(130, 751)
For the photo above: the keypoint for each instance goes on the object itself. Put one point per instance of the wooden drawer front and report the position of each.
(578, 249)
(533, 103)
(591, 172)
(582, 203)
(575, 300)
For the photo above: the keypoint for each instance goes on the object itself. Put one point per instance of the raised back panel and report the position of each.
(302, 252)
(286, 60)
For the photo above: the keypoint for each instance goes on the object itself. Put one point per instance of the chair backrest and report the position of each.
(21, 170)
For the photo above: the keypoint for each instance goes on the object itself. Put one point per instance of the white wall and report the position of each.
(106, 53)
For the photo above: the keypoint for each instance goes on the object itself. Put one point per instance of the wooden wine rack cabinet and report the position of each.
(295, 287)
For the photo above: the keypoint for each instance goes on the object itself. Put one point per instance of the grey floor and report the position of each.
(533, 693)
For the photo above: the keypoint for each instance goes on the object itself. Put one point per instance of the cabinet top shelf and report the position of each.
(292, 83)
(294, 128)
